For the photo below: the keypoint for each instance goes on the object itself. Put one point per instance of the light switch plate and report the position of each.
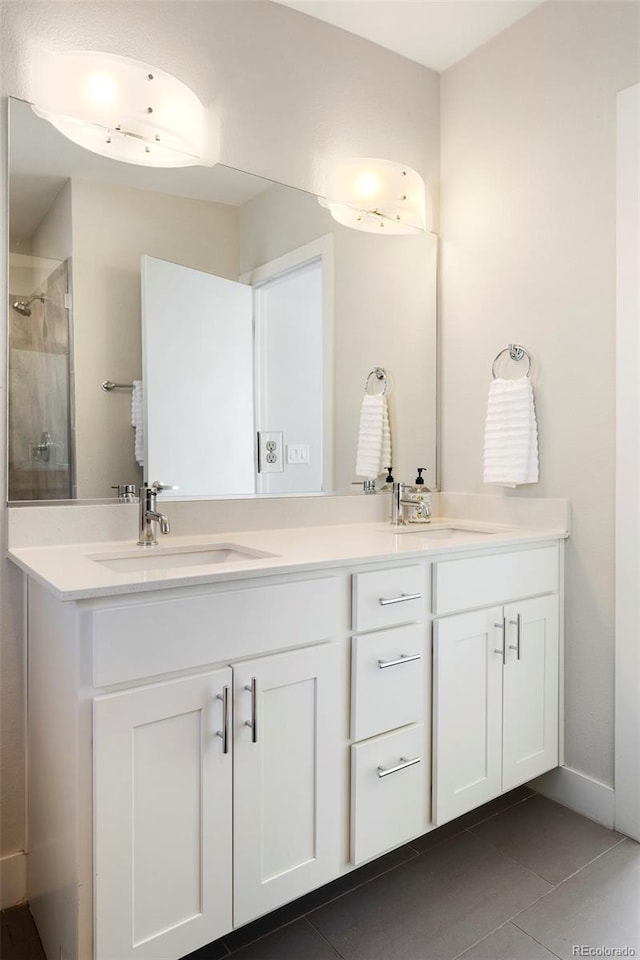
(298, 453)
(270, 451)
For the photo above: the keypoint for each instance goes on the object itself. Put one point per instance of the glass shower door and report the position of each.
(40, 435)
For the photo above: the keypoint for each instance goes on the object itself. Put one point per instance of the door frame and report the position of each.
(627, 631)
(320, 249)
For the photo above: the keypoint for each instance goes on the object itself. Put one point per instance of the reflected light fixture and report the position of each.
(377, 196)
(121, 108)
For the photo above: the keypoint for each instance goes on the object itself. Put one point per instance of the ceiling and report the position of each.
(435, 33)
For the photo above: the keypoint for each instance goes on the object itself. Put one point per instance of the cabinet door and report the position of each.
(467, 734)
(530, 711)
(162, 794)
(286, 770)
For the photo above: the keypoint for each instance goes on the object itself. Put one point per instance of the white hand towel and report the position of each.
(137, 420)
(511, 434)
(374, 437)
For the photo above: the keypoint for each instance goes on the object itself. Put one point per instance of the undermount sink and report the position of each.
(163, 558)
(440, 533)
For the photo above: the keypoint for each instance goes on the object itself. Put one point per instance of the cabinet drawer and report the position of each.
(384, 598)
(148, 639)
(484, 581)
(387, 794)
(388, 673)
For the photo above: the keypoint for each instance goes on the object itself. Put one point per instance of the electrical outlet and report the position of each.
(270, 451)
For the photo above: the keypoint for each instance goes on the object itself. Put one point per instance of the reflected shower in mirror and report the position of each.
(247, 314)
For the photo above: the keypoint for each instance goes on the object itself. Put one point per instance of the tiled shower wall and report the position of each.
(40, 449)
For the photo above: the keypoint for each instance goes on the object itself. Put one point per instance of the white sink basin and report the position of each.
(164, 558)
(441, 533)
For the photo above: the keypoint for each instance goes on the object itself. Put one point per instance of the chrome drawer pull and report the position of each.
(401, 766)
(224, 733)
(518, 624)
(385, 601)
(253, 723)
(403, 658)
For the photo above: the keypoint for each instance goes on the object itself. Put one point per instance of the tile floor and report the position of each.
(518, 879)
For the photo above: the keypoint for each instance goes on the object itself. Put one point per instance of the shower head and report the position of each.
(22, 306)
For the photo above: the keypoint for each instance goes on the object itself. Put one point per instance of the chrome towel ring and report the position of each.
(516, 352)
(380, 374)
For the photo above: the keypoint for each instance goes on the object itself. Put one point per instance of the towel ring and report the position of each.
(109, 385)
(516, 352)
(379, 374)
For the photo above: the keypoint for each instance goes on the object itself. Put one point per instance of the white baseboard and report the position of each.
(578, 792)
(13, 880)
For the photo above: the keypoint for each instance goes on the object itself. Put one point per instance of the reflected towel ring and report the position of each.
(380, 374)
(109, 385)
(516, 352)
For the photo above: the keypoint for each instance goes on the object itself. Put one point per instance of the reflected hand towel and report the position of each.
(511, 434)
(374, 437)
(137, 421)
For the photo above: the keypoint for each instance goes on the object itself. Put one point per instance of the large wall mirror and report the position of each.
(233, 321)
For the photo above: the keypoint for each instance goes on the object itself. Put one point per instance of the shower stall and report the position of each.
(41, 454)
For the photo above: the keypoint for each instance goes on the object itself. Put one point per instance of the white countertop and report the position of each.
(70, 573)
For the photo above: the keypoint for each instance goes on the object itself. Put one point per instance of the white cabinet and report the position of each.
(390, 709)
(286, 765)
(495, 702)
(388, 784)
(467, 712)
(530, 697)
(162, 819)
(203, 736)
(389, 670)
(176, 778)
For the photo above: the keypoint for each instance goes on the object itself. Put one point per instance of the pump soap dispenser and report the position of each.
(421, 513)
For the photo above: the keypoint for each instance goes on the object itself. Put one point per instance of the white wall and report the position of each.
(113, 227)
(53, 236)
(528, 226)
(290, 91)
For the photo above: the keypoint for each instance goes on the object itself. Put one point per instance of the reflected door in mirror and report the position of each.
(197, 380)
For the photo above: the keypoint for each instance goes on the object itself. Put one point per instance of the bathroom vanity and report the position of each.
(210, 740)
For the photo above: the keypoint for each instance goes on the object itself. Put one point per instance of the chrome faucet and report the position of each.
(401, 498)
(149, 515)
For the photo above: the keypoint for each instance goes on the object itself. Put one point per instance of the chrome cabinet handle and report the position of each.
(401, 766)
(224, 733)
(503, 649)
(385, 601)
(403, 658)
(253, 723)
(517, 623)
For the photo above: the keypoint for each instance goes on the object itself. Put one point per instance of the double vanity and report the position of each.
(222, 723)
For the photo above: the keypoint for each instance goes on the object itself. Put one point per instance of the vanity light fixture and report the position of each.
(377, 196)
(121, 108)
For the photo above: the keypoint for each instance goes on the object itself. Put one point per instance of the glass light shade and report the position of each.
(377, 196)
(121, 108)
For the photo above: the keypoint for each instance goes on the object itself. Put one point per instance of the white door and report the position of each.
(530, 701)
(467, 694)
(197, 353)
(289, 324)
(286, 768)
(162, 795)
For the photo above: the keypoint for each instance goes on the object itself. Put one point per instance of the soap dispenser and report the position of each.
(421, 513)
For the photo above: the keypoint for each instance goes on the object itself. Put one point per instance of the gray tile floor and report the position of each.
(519, 879)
